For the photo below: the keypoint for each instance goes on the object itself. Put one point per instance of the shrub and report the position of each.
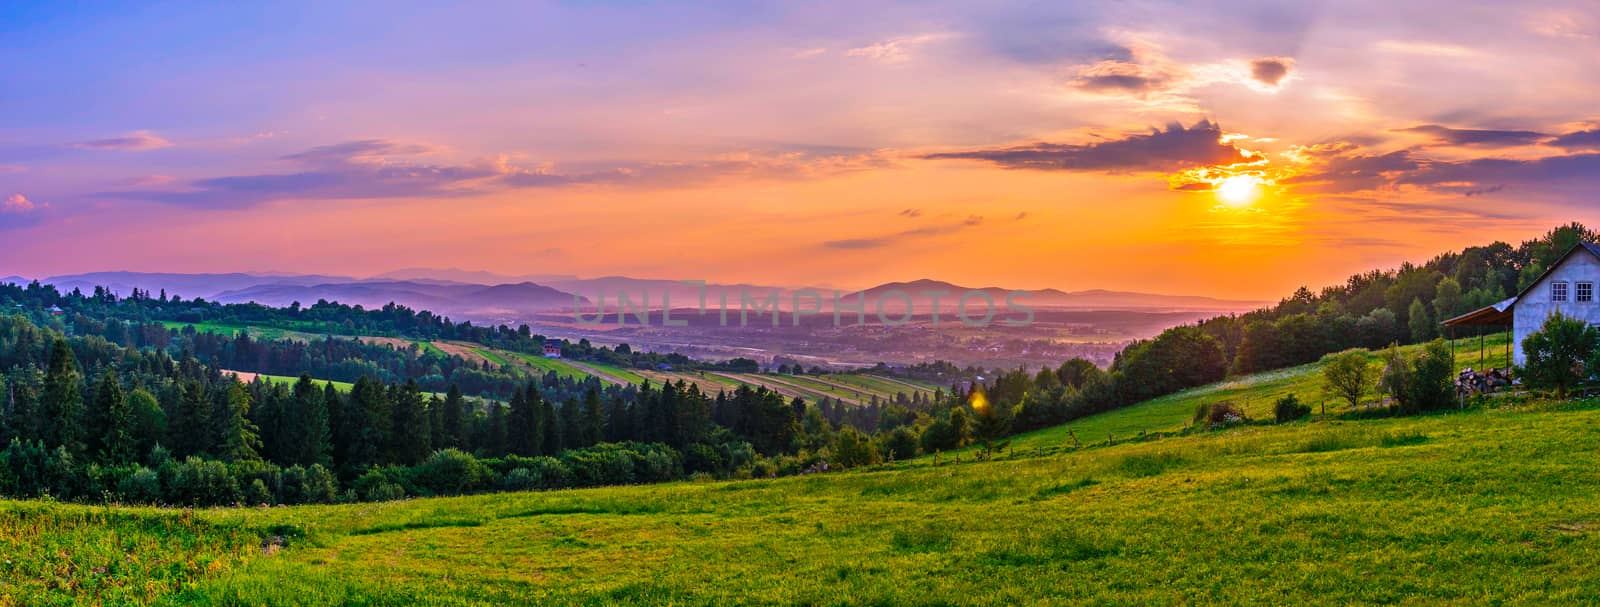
(198, 482)
(257, 493)
(141, 486)
(1557, 353)
(450, 472)
(901, 444)
(378, 485)
(1289, 408)
(1225, 413)
(1431, 388)
(852, 449)
(700, 457)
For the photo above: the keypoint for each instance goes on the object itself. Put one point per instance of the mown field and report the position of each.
(1494, 505)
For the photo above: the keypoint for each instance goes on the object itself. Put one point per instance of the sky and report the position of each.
(1231, 149)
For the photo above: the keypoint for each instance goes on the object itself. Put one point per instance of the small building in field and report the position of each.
(552, 348)
(57, 311)
(1567, 287)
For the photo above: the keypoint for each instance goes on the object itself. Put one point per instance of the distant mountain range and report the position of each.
(1093, 299)
(474, 295)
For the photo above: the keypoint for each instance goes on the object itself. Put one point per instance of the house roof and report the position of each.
(1500, 313)
(1589, 247)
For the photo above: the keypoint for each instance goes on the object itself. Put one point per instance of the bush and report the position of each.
(852, 449)
(257, 493)
(378, 485)
(142, 486)
(1557, 352)
(1431, 388)
(1219, 414)
(1289, 408)
(199, 482)
(901, 444)
(451, 472)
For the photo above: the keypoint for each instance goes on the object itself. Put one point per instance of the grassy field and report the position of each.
(544, 365)
(218, 328)
(1495, 505)
(1256, 394)
(342, 386)
(1489, 506)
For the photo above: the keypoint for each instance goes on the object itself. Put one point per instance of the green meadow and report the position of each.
(1255, 394)
(1496, 504)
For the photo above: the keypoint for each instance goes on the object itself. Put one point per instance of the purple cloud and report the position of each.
(137, 141)
(1160, 150)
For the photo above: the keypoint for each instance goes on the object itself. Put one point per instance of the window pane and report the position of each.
(1558, 291)
(1586, 291)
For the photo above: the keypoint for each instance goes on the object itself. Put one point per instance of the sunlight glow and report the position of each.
(1239, 190)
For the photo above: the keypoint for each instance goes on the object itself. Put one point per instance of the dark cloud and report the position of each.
(1477, 137)
(1271, 70)
(911, 213)
(1572, 169)
(1122, 77)
(1579, 140)
(877, 242)
(1160, 150)
(1342, 167)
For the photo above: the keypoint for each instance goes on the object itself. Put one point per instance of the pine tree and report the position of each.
(361, 438)
(520, 425)
(411, 436)
(61, 408)
(307, 425)
(450, 418)
(552, 429)
(239, 441)
(117, 443)
(494, 440)
(192, 429)
(594, 417)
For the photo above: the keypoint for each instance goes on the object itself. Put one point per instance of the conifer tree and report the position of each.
(61, 408)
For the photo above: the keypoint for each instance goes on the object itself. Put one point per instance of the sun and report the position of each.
(1238, 190)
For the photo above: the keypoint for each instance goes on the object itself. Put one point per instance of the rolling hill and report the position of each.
(1494, 505)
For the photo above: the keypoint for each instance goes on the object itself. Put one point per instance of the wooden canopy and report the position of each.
(1499, 314)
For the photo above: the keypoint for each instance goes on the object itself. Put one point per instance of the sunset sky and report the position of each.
(1182, 147)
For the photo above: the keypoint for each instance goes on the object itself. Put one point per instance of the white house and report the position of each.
(1568, 287)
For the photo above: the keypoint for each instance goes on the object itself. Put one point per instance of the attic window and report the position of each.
(1558, 291)
(1585, 292)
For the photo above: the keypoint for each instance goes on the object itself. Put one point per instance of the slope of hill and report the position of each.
(1494, 505)
(1255, 394)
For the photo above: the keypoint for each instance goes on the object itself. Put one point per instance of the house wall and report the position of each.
(1535, 306)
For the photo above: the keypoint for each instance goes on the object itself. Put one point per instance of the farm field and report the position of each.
(542, 365)
(1489, 506)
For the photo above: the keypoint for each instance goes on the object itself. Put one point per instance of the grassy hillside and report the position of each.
(1254, 393)
(1486, 506)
